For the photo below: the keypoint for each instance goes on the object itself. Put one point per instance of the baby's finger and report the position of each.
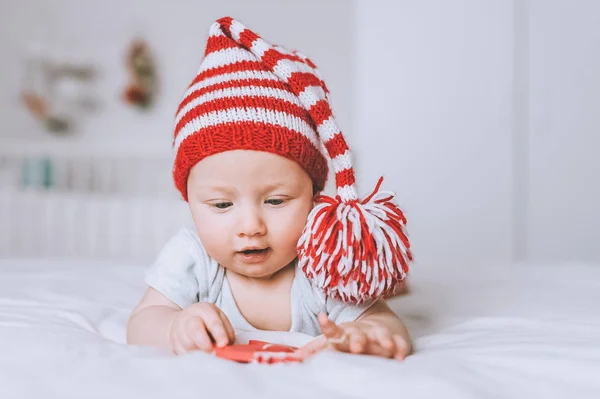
(184, 343)
(200, 336)
(228, 327)
(375, 347)
(337, 337)
(312, 347)
(358, 342)
(178, 349)
(180, 341)
(385, 339)
(329, 328)
(214, 325)
(402, 347)
(176, 344)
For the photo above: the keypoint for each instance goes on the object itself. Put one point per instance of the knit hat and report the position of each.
(249, 94)
(237, 101)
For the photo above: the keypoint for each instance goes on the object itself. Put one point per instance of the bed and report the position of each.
(72, 260)
(520, 331)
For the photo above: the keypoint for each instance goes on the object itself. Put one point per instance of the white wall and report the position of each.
(482, 115)
(99, 32)
(434, 116)
(485, 118)
(564, 139)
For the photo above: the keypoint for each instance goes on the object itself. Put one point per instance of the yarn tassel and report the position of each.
(358, 250)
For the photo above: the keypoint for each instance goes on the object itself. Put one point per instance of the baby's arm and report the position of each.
(157, 321)
(150, 320)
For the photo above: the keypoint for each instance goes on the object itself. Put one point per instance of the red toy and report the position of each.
(259, 352)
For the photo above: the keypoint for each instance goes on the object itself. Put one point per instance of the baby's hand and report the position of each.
(200, 326)
(358, 337)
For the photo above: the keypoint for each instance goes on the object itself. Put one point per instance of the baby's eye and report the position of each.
(223, 205)
(274, 201)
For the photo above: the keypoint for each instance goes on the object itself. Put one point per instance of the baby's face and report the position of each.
(249, 208)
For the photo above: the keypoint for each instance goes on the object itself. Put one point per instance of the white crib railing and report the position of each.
(86, 205)
(86, 225)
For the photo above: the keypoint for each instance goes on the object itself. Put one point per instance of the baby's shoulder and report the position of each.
(184, 265)
(184, 247)
(186, 241)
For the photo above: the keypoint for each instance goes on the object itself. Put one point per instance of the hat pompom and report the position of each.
(356, 251)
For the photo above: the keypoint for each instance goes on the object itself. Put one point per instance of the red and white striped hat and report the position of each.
(249, 94)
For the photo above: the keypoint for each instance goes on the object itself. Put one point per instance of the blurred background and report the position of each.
(483, 117)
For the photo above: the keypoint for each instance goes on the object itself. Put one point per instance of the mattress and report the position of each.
(493, 331)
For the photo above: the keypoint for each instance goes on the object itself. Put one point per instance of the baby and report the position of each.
(251, 158)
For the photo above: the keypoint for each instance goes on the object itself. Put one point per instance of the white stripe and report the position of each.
(226, 57)
(311, 95)
(342, 161)
(249, 91)
(283, 50)
(229, 77)
(215, 30)
(301, 55)
(347, 192)
(236, 29)
(328, 129)
(284, 68)
(315, 70)
(247, 115)
(260, 47)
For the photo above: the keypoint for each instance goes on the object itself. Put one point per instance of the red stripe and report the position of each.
(310, 63)
(263, 102)
(271, 57)
(235, 67)
(252, 136)
(225, 23)
(301, 80)
(336, 145)
(276, 84)
(344, 178)
(320, 112)
(247, 37)
(218, 43)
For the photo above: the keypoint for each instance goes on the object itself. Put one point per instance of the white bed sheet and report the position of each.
(522, 331)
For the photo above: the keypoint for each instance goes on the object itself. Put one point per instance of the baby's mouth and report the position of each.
(254, 251)
(254, 255)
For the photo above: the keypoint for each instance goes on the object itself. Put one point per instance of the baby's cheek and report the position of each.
(214, 235)
(290, 228)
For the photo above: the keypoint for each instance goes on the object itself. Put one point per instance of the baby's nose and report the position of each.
(252, 224)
